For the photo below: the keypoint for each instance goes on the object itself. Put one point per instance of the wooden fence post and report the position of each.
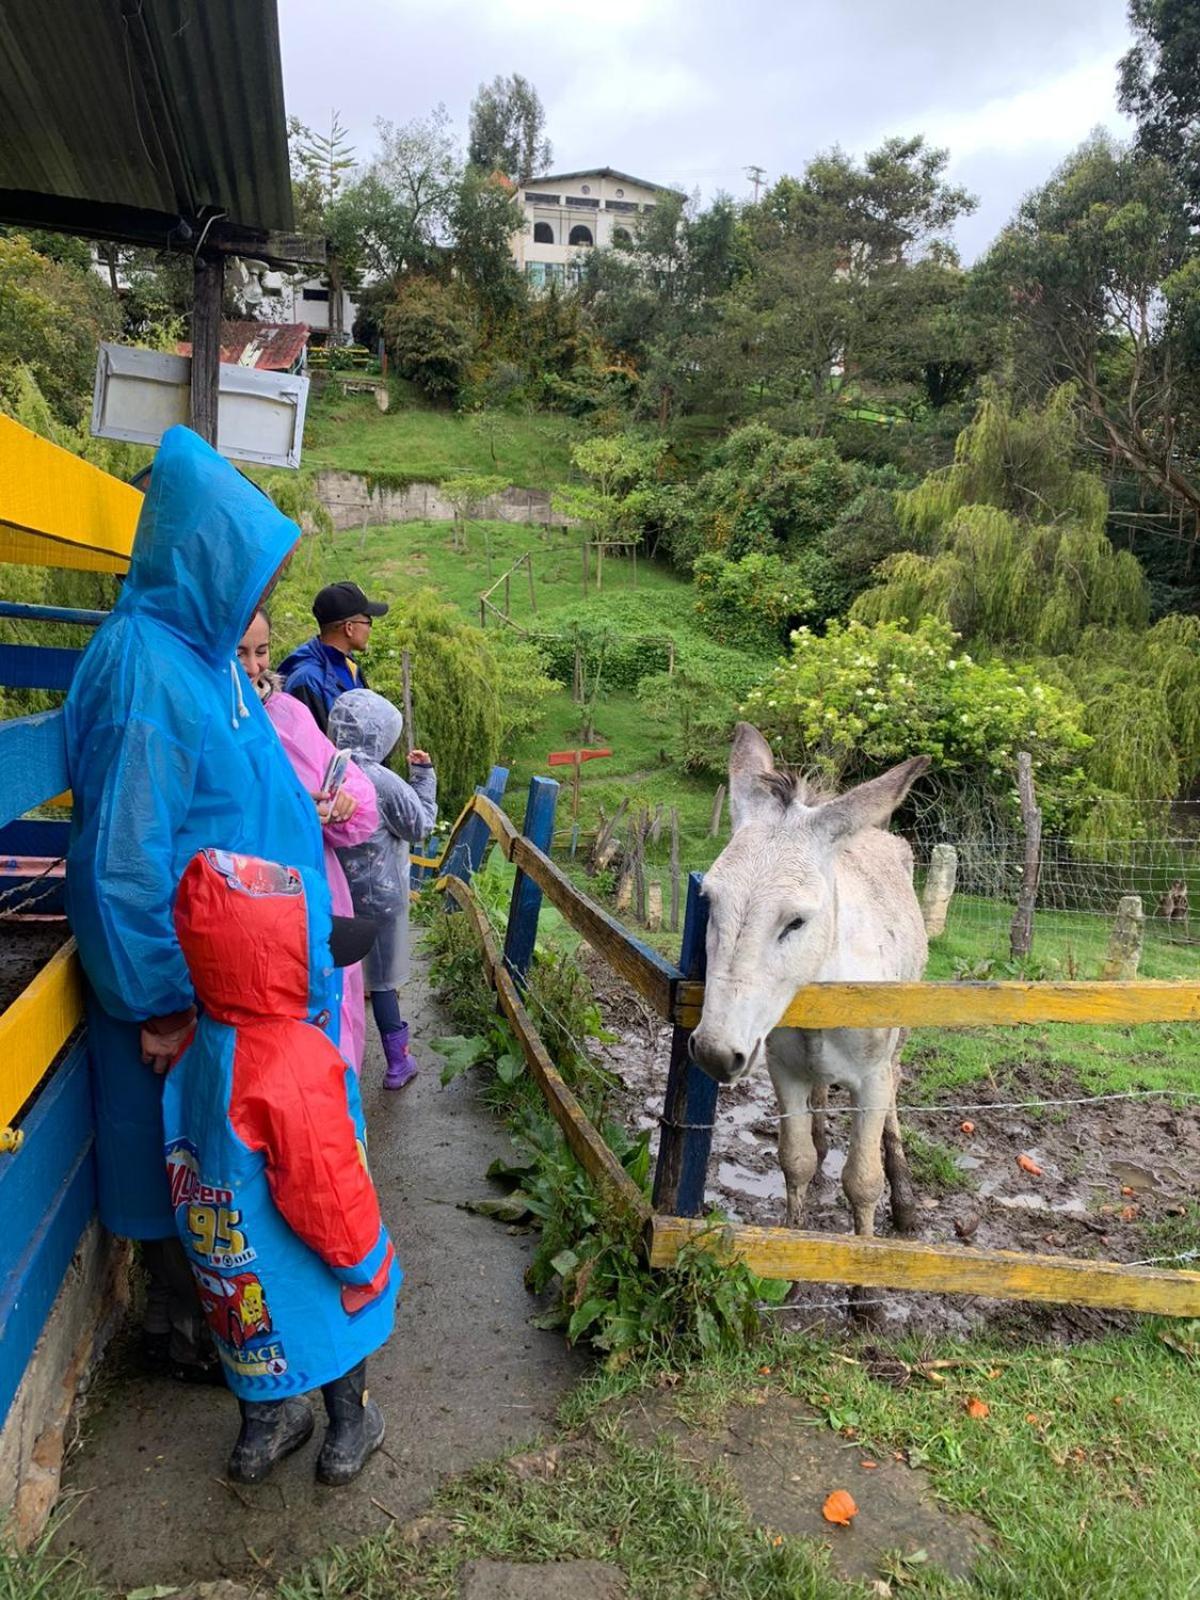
(1021, 933)
(690, 1107)
(526, 902)
(674, 870)
(714, 826)
(467, 856)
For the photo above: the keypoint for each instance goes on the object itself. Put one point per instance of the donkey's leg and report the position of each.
(797, 1154)
(895, 1163)
(862, 1177)
(819, 1099)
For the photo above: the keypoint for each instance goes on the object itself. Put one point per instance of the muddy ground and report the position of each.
(1117, 1180)
(25, 948)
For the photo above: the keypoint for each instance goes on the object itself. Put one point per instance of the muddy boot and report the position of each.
(271, 1429)
(355, 1428)
(401, 1068)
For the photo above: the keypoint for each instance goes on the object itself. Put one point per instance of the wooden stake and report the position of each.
(714, 826)
(406, 691)
(674, 870)
(1021, 933)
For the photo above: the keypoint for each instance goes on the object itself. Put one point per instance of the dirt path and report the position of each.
(464, 1378)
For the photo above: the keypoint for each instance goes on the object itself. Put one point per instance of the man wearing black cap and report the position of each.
(324, 668)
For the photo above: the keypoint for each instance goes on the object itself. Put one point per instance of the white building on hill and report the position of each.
(566, 212)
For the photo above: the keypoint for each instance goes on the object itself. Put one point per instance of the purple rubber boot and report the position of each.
(401, 1068)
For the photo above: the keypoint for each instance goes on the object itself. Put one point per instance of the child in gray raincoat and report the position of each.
(369, 727)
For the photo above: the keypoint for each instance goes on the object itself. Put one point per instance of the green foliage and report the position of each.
(589, 1258)
(751, 601)
(766, 491)
(507, 126)
(527, 684)
(455, 688)
(484, 215)
(431, 335)
(862, 698)
(53, 315)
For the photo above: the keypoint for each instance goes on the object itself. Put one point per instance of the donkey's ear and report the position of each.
(750, 759)
(871, 804)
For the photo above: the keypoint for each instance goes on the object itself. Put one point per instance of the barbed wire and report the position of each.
(32, 896)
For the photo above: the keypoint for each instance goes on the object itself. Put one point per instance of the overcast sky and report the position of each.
(689, 92)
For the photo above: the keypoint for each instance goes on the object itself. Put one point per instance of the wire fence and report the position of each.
(1079, 887)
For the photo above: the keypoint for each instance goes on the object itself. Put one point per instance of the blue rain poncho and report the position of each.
(169, 752)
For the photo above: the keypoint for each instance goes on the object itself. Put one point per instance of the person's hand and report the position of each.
(164, 1037)
(420, 758)
(344, 806)
(322, 802)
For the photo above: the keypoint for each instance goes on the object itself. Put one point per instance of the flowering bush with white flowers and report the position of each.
(860, 698)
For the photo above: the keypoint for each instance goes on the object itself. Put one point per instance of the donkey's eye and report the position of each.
(793, 926)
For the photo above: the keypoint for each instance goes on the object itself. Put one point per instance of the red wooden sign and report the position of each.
(572, 758)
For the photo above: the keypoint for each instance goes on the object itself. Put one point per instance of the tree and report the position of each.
(484, 214)
(1101, 273)
(321, 165)
(431, 335)
(1159, 87)
(1020, 565)
(418, 167)
(53, 316)
(506, 129)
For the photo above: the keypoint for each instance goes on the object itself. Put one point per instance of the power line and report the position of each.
(758, 177)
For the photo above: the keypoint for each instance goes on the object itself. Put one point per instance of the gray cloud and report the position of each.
(691, 91)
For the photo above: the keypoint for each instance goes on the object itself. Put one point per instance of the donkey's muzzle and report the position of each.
(718, 1060)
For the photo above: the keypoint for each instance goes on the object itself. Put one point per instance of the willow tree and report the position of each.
(1020, 565)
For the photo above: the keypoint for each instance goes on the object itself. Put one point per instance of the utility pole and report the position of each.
(758, 177)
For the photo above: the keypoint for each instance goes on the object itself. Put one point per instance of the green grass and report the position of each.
(350, 434)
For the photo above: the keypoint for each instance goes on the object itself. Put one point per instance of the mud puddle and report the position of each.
(1114, 1179)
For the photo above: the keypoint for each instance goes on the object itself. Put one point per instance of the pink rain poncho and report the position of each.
(310, 752)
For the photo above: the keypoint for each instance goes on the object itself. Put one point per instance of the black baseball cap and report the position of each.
(351, 938)
(337, 601)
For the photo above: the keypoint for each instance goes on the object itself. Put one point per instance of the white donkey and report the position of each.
(810, 890)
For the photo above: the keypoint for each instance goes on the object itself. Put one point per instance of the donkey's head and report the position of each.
(771, 902)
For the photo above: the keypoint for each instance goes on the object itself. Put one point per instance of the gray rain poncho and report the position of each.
(369, 727)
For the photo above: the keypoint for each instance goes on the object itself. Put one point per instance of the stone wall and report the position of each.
(351, 505)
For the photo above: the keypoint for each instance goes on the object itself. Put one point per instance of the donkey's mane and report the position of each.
(790, 786)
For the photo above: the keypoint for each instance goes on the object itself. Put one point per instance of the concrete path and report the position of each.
(464, 1378)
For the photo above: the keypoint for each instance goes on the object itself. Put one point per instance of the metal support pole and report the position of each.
(690, 1106)
(526, 901)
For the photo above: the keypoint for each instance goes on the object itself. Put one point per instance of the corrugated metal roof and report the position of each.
(270, 346)
(142, 112)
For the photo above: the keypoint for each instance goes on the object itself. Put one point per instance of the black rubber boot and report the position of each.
(355, 1428)
(271, 1429)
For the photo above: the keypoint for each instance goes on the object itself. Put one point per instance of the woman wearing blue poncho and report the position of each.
(170, 752)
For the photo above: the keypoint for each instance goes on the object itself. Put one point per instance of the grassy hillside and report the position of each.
(350, 434)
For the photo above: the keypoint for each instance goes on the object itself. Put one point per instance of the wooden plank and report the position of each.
(45, 1227)
(971, 1005)
(690, 1101)
(33, 762)
(32, 666)
(57, 510)
(208, 282)
(587, 1145)
(791, 1254)
(57, 1126)
(642, 968)
(36, 1026)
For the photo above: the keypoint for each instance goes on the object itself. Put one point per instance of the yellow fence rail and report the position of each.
(34, 1029)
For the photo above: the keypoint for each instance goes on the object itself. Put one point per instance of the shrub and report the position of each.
(750, 602)
(861, 699)
(455, 688)
(431, 335)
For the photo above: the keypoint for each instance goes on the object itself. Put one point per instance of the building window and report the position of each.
(585, 188)
(622, 236)
(314, 294)
(620, 194)
(535, 271)
(581, 235)
(541, 199)
(554, 272)
(543, 233)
